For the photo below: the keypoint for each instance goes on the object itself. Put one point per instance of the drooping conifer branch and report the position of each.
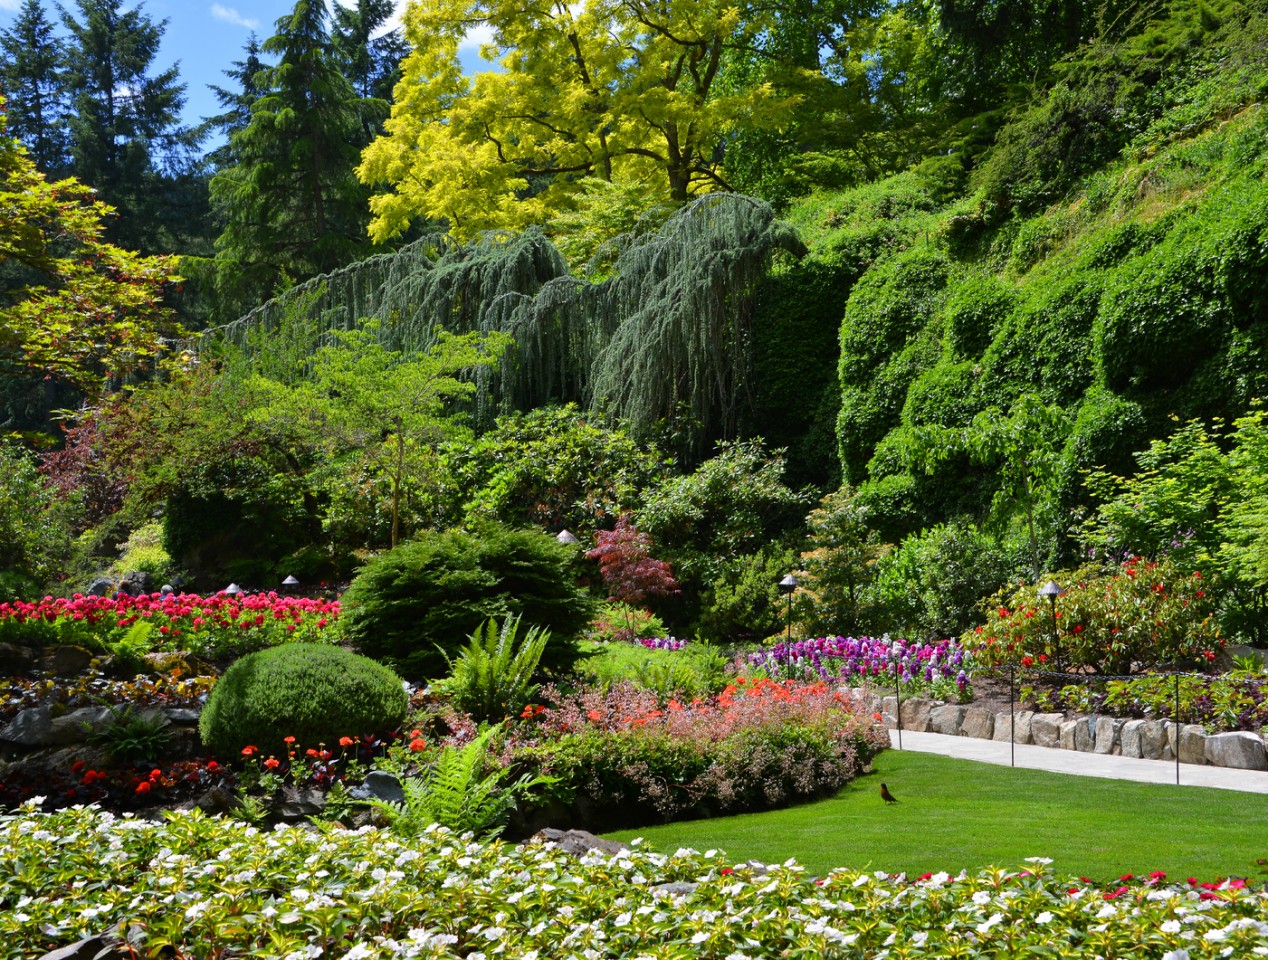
(664, 339)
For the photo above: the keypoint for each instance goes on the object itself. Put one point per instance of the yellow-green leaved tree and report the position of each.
(71, 305)
(616, 89)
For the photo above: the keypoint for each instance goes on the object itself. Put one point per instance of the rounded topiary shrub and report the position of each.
(428, 596)
(312, 692)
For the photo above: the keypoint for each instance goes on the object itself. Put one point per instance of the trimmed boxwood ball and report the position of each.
(313, 692)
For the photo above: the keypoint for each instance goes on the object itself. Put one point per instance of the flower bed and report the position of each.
(1236, 701)
(211, 887)
(622, 759)
(211, 626)
(660, 643)
(938, 669)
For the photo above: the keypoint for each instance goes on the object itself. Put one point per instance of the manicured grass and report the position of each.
(960, 814)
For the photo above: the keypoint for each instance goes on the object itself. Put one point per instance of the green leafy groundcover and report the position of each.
(215, 887)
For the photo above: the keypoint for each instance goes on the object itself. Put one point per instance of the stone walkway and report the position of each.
(1083, 764)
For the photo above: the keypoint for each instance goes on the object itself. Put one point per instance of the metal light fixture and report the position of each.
(1052, 590)
(233, 590)
(290, 584)
(565, 536)
(787, 586)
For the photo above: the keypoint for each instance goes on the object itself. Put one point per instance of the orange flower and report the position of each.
(250, 751)
(594, 716)
(288, 740)
(418, 746)
(346, 741)
(272, 763)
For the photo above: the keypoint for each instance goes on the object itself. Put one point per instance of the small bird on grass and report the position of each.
(886, 795)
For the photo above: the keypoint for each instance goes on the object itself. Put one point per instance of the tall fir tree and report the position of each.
(373, 59)
(292, 203)
(34, 86)
(237, 101)
(126, 138)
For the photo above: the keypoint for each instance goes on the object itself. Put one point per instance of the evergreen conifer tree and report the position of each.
(126, 140)
(34, 87)
(293, 205)
(372, 62)
(238, 101)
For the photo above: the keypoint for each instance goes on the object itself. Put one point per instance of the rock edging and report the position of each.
(1141, 739)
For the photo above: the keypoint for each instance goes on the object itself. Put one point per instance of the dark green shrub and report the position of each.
(742, 602)
(421, 601)
(932, 584)
(35, 527)
(313, 692)
(553, 467)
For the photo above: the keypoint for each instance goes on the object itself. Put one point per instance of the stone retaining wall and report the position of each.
(1144, 739)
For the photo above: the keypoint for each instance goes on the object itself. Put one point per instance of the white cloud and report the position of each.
(228, 15)
(476, 37)
(10, 5)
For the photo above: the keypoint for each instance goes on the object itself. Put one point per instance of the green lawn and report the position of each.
(957, 814)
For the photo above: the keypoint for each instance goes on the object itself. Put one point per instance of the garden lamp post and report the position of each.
(565, 536)
(233, 590)
(786, 587)
(290, 584)
(1052, 590)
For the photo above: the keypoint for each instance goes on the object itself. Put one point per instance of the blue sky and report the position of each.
(204, 36)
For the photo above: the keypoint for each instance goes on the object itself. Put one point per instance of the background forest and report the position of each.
(920, 300)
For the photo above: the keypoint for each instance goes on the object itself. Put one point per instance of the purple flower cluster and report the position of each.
(661, 643)
(855, 659)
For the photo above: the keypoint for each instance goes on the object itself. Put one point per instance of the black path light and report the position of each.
(1052, 590)
(565, 536)
(786, 587)
(290, 584)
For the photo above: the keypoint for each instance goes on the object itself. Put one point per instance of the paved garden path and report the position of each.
(1084, 764)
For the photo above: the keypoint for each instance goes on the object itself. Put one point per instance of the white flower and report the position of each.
(699, 937)
(918, 939)
(1045, 917)
(985, 925)
(1044, 861)
(982, 897)
(1170, 926)
(359, 951)
(1176, 955)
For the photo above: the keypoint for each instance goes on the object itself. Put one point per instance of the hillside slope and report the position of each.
(1094, 276)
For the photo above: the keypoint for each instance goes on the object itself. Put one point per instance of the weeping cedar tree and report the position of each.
(664, 341)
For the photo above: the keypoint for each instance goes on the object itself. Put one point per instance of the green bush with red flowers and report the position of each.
(1132, 617)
